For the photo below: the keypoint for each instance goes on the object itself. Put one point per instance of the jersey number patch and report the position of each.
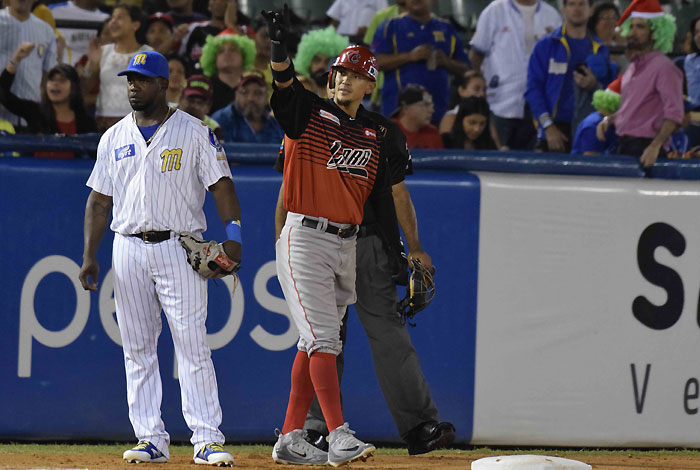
(171, 159)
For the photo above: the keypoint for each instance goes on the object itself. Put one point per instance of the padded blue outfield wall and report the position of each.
(508, 245)
(62, 370)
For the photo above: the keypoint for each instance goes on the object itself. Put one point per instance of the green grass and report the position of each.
(180, 449)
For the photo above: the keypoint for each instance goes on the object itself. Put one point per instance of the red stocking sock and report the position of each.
(325, 379)
(300, 395)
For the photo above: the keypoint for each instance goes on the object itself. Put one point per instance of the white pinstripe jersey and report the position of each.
(160, 186)
(27, 84)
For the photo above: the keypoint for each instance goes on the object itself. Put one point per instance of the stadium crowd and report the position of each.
(584, 78)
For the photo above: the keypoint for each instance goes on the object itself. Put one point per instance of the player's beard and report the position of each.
(343, 103)
(139, 106)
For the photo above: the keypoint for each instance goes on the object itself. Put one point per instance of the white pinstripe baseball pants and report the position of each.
(148, 277)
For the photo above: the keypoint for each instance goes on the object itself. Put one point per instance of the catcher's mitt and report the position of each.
(419, 292)
(207, 258)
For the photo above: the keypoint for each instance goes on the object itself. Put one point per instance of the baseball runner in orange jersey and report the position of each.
(333, 162)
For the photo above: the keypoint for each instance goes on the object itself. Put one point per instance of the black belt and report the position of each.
(152, 237)
(367, 230)
(334, 229)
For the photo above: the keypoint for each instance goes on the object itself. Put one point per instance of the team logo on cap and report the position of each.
(354, 57)
(140, 59)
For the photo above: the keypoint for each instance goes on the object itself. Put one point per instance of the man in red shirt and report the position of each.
(413, 117)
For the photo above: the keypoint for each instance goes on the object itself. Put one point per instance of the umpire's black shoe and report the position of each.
(316, 439)
(429, 436)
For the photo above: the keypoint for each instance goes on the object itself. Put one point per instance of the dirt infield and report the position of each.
(439, 461)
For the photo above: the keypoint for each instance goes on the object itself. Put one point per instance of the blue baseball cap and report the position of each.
(148, 63)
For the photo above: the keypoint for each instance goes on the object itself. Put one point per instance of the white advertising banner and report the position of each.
(588, 317)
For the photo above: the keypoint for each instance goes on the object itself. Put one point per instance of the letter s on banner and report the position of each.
(274, 304)
(29, 326)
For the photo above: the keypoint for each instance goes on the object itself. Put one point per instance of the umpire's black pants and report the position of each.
(395, 359)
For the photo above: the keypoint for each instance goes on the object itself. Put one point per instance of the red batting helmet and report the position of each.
(358, 59)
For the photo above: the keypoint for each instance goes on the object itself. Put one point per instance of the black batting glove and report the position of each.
(277, 24)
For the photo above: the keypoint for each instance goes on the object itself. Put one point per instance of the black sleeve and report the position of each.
(396, 149)
(292, 107)
(27, 109)
(382, 203)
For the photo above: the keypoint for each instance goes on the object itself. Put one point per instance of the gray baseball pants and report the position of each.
(395, 359)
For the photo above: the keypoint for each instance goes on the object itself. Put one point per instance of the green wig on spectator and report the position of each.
(663, 25)
(321, 41)
(211, 49)
(607, 101)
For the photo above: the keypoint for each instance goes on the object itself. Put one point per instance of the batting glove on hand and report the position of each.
(277, 24)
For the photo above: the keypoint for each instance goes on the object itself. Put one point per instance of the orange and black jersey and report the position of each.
(332, 161)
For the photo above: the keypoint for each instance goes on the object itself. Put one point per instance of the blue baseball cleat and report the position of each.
(144, 452)
(214, 454)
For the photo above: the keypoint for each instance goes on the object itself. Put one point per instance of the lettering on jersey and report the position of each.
(41, 50)
(329, 116)
(370, 133)
(124, 152)
(351, 161)
(171, 159)
(438, 36)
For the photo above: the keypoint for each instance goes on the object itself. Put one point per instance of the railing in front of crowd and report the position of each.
(85, 146)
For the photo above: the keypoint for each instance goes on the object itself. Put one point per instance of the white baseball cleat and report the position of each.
(144, 452)
(344, 448)
(292, 448)
(213, 454)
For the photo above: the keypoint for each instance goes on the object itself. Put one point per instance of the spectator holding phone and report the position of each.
(551, 77)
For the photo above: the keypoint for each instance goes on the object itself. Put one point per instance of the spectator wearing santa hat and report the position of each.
(651, 102)
(606, 102)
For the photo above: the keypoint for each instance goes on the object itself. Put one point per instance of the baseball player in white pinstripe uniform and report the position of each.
(153, 168)
(18, 25)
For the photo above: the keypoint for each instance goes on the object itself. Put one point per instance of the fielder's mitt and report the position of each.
(207, 258)
(419, 292)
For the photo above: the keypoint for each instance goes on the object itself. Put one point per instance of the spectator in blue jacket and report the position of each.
(557, 65)
(247, 119)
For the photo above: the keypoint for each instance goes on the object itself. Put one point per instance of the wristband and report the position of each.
(282, 76)
(13, 63)
(233, 230)
(545, 120)
(278, 51)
